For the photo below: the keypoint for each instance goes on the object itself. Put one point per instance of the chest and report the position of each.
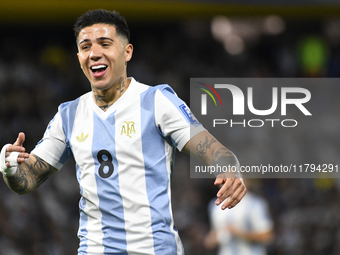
(119, 133)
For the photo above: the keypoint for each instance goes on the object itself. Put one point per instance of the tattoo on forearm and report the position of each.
(41, 170)
(30, 175)
(121, 84)
(39, 163)
(21, 182)
(221, 156)
(203, 146)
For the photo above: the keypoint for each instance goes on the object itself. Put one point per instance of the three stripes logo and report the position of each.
(204, 97)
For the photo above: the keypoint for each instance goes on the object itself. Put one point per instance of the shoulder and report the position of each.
(153, 91)
(256, 201)
(151, 88)
(73, 104)
(165, 89)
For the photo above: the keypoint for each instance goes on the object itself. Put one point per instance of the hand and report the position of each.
(210, 241)
(17, 146)
(232, 188)
(234, 231)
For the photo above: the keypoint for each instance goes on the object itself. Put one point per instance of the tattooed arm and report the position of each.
(206, 148)
(32, 171)
(30, 175)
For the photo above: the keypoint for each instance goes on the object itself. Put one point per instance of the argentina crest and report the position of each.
(128, 129)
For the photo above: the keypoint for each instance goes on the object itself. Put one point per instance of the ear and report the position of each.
(128, 52)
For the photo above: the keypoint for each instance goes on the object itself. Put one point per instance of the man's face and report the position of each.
(102, 55)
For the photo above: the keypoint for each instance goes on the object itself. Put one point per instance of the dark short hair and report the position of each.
(102, 17)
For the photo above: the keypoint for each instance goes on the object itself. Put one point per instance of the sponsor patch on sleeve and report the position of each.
(189, 115)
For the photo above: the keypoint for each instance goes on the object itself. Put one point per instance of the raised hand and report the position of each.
(17, 147)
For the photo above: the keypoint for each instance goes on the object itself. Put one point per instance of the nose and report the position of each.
(95, 53)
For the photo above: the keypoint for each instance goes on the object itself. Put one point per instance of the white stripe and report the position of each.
(132, 182)
(87, 178)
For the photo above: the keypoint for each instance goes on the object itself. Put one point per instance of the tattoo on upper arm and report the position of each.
(30, 175)
(203, 146)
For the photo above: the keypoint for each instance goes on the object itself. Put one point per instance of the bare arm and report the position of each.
(211, 242)
(261, 237)
(206, 148)
(32, 171)
(30, 175)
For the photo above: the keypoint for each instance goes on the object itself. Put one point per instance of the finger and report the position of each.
(229, 191)
(21, 158)
(235, 196)
(238, 199)
(221, 178)
(20, 140)
(226, 186)
(218, 181)
(21, 155)
(12, 148)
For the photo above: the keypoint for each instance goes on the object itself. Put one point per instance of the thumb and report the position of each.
(20, 140)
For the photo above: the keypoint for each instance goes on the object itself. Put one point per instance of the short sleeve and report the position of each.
(174, 117)
(52, 147)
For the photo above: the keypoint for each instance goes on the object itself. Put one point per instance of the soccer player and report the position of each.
(122, 135)
(245, 230)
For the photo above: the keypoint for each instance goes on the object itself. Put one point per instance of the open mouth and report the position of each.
(98, 70)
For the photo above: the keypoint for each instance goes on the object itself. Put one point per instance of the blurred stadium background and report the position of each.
(173, 41)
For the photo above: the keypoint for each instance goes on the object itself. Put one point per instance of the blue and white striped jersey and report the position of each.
(124, 159)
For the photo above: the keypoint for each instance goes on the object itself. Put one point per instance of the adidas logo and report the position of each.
(82, 138)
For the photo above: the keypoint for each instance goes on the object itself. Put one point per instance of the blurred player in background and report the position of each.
(123, 135)
(245, 230)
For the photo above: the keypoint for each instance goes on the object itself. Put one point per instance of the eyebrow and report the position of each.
(98, 39)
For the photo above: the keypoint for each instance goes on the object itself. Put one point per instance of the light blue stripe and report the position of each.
(156, 177)
(110, 201)
(67, 113)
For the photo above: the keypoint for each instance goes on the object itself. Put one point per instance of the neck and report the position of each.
(105, 98)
